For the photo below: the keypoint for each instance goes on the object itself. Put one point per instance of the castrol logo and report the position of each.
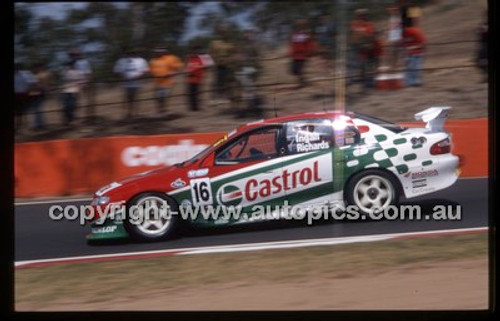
(288, 180)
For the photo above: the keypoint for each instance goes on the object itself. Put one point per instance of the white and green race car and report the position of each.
(305, 160)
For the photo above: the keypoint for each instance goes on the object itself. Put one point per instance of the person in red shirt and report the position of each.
(414, 44)
(195, 68)
(301, 47)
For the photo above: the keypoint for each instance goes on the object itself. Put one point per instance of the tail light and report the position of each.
(441, 147)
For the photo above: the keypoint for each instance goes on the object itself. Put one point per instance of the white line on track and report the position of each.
(56, 201)
(246, 247)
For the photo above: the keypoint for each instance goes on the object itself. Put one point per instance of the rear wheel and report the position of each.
(150, 217)
(372, 191)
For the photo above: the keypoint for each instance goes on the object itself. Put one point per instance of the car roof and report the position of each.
(331, 114)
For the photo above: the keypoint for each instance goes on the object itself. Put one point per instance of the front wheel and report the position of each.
(371, 191)
(150, 217)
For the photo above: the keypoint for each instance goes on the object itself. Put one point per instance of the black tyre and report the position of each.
(372, 191)
(150, 217)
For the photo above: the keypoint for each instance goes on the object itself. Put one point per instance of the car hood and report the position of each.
(147, 174)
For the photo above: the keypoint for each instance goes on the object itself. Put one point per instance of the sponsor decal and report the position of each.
(134, 156)
(423, 190)
(104, 229)
(424, 174)
(287, 180)
(197, 172)
(229, 195)
(178, 183)
(418, 140)
(296, 177)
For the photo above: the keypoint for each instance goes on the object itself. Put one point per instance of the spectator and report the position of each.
(23, 82)
(326, 32)
(394, 36)
(72, 79)
(408, 11)
(39, 93)
(482, 53)
(301, 48)
(221, 50)
(414, 44)
(403, 11)
(163, 66)
(378, 48)
(248, 71)
(132, 69)
(364, 41)
(88, 87)
(195, 68)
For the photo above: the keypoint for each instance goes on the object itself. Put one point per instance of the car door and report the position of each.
(245, 172)
(309, 161)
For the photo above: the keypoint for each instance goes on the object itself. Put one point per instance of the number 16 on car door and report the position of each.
(201, 191)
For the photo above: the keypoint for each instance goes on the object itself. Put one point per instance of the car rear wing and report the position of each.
(434, 117)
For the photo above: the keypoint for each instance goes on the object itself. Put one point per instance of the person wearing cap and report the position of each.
(163, 66)
(132, 69)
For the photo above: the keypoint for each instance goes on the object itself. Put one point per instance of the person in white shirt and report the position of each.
(73, 79)
(131, 68)
(88, 88)
(394, 36)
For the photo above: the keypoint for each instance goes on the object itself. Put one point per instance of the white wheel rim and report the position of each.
(153, 223)
(373, 192)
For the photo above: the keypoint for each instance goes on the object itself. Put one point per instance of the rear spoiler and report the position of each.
(434, 117)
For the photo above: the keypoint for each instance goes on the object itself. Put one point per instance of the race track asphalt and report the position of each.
(38, 237)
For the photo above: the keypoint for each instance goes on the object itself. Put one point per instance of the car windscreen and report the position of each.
(382, 123)
(204, 151)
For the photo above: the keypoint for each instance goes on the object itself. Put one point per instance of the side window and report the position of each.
(257, 145)
(309, 135)
(347, 136)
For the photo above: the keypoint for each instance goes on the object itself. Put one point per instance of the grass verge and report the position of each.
(92, 282)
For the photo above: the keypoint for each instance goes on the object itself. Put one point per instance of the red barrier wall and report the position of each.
(76, 166)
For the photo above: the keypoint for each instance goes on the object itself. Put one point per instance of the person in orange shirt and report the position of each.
(163, 66)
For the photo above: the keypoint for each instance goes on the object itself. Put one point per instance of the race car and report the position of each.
(307, 159)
